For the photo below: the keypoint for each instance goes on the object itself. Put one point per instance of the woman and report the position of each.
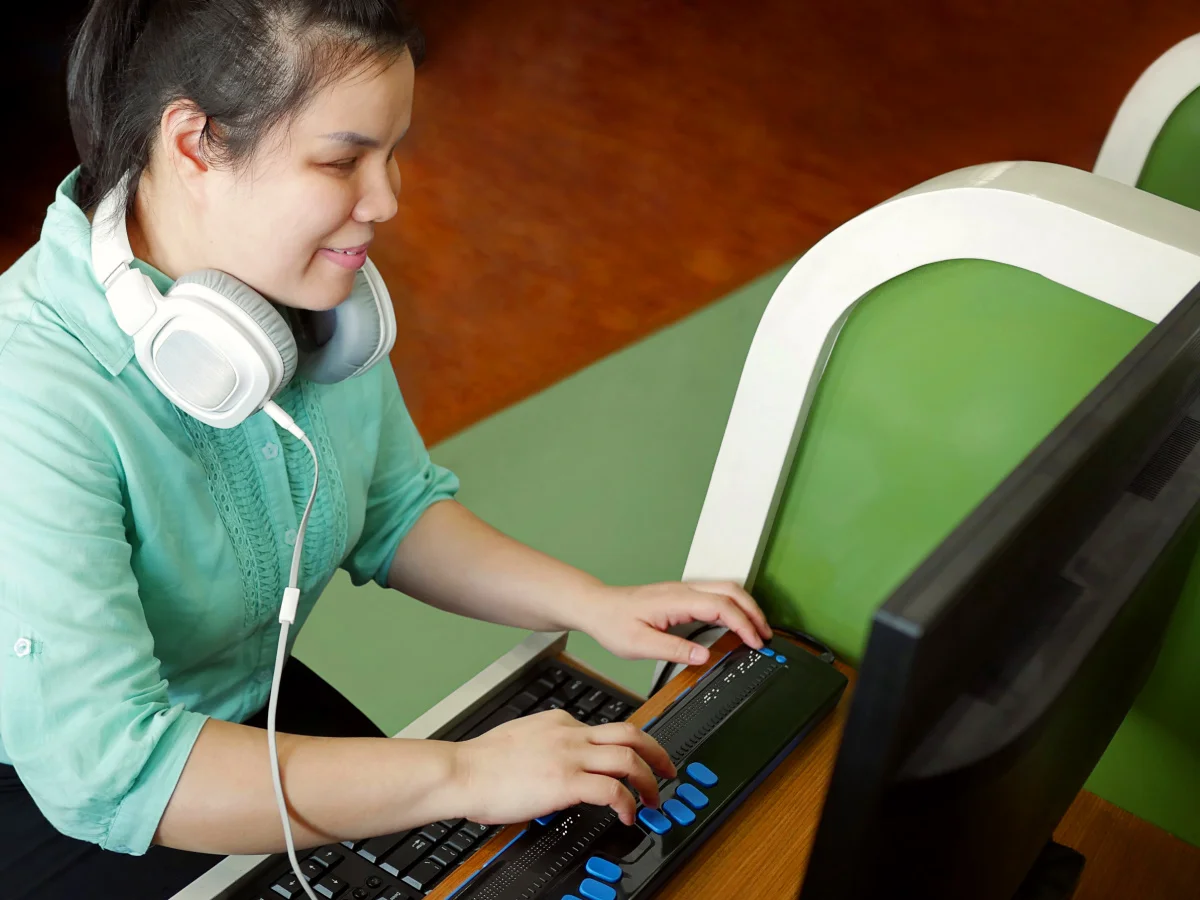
(143, 552)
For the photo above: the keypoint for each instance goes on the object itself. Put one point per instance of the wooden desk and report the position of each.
(761, 851)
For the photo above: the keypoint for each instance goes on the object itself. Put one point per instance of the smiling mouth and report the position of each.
(352, 251)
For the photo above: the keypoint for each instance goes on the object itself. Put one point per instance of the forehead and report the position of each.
(374, 100)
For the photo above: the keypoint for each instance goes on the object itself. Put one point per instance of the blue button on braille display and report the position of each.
(679, 812)
(691, 795)
(701, 774)
(594, 890)
(781, 659)
(546, 820)
(654, 820)
(603, 869)
(767, 651)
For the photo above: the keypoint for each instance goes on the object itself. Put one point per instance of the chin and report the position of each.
(322, 297)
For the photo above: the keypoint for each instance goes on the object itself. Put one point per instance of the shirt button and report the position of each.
(22, 647)
(290, 537)
(270, 450)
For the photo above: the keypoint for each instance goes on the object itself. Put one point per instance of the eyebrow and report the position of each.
(357, 140)
(352, 137)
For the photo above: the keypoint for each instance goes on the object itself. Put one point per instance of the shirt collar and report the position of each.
(70, 286)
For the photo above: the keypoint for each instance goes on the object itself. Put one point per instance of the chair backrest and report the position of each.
(843, 466)
(1154, 139)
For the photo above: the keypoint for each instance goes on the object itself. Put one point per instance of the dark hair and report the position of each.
(248, 65)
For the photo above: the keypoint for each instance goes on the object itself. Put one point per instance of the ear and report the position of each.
(183, 131)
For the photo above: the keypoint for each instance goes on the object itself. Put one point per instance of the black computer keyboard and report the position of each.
(724, 736)
(409, 864)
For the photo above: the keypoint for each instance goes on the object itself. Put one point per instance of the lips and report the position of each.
(348, 258)
(350, 251)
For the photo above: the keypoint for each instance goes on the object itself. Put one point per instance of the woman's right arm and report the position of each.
(349, 788)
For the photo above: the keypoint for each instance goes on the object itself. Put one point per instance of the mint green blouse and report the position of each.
(143, 555)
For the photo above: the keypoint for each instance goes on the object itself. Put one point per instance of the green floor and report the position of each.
(606, 470)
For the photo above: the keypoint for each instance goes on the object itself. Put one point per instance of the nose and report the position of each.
(378, 202)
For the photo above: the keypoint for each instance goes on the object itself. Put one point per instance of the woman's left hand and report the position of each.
(632, 622)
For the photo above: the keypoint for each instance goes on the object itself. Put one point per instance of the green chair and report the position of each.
(1154, 140)
(904, 367)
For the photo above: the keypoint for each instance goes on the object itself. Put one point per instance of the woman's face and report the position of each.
(296, 224)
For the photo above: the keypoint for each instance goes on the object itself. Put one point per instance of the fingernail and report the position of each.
(697, 655)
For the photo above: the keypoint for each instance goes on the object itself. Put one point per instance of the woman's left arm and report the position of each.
(453, 560)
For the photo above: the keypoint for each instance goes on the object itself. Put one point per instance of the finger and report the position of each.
(631, 736)
(600, 790)
(655, 644)
(745, 602)
(716, 607)
(624, 762)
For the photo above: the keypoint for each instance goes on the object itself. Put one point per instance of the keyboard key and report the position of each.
(499, 717)
(555, 674)
(578, 713)
(312, 869)
(767, 651)
(424, 875)
(780, 658)
(328, 857)
(403, 892)
(435, 832)
(330, 886)
(594, 890)
(615, 710)
(373, 881)
(654, 820)
(572, 689)
(593, 701)
(692, 796)
(524, 701)
(701, 774)
(288, 887)
(462, 841)
(361, 893)
(599, 720)
(679, 812)
(603, 869)
(444, 855)
(378, 847)
(542, 687)
(475, 829)
(548, 704)
(452, 824)
(403, 858)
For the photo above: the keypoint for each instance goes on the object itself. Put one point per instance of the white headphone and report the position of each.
(216, 347)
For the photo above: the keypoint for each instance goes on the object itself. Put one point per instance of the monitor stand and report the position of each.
(1054, 875)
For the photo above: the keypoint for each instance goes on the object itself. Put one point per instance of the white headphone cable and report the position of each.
(287, 615)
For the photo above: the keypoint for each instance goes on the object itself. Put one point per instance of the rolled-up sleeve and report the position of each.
(84, 711)
(404, 484)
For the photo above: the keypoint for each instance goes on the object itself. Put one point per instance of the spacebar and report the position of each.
(499, 717)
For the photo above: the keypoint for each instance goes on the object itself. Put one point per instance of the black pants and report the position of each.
(37, 862)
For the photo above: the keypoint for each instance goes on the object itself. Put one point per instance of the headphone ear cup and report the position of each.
(350, 338)
(251, 302)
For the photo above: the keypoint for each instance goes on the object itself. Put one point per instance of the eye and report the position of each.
(344, 164)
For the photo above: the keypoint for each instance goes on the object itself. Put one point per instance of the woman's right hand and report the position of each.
(546, 762)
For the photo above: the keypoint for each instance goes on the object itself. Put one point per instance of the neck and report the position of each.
(155, 235)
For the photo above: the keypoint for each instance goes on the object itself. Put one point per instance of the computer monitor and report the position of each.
(997, 673)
